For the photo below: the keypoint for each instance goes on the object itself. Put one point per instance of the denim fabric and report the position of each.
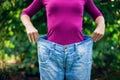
(65, 62)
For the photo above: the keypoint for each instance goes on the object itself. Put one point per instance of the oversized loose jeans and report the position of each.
(65, 62)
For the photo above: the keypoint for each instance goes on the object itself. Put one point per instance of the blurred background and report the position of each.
(18, 57)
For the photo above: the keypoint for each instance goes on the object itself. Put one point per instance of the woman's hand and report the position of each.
(100, 29)
(32, 34)
(98, 33)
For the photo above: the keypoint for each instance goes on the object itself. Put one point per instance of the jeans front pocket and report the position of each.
(43, 54)
(84, 53)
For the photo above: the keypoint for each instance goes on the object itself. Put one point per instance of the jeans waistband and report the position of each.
(43, 41)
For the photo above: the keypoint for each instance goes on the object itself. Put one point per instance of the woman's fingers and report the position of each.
(29, 37)
(97, 36)
(94, 37)
(33, 37)
(36, 36)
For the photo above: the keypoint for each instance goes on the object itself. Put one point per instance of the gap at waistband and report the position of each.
(86, 39)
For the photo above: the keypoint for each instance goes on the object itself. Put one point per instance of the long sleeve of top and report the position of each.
(64, 18)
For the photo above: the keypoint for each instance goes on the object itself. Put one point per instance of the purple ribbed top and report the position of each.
(64, 18)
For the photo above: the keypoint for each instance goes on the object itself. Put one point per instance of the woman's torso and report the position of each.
(64, 20)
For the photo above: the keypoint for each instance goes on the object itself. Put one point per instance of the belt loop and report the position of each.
(53, 46)
(74, 47)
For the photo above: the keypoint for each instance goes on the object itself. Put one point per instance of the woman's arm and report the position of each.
(32, 33)
(98, 18)
(100, 29)
(25, 17)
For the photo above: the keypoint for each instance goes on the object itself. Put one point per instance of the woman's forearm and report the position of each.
(100, 21)
(26, 21)
(32, 32)
(100, 29)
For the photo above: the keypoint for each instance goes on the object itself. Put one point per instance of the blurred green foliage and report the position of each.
(18, 54)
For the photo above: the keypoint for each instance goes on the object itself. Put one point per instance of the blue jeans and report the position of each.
(65, 62)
